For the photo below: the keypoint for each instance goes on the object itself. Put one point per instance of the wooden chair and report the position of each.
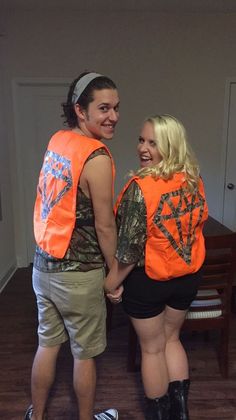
(211, 309)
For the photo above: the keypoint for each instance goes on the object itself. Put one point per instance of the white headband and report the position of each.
(82, 84)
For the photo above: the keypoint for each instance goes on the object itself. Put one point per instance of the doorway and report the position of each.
(37, 112)
(229, 196)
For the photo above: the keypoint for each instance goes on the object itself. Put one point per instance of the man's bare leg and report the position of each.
(42, 378)
(85, 386)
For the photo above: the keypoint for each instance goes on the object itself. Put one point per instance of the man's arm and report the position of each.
(98, 174)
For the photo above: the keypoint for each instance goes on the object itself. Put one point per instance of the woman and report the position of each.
(160, 216)
(75, 232)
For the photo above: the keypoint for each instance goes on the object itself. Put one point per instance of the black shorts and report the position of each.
(144, 297)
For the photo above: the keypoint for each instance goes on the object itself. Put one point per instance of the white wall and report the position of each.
(162, 63)
(7, 240)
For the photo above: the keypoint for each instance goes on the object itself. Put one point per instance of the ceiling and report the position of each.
(168, 6)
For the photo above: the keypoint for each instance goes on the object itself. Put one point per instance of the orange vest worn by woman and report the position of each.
(55, 206)
(175, 243)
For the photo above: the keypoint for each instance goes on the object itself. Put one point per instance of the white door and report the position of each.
(37, 115)
(229, 212)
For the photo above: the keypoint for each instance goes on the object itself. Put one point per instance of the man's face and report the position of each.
(102, 115)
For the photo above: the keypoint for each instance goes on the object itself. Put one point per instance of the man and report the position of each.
(75, 233)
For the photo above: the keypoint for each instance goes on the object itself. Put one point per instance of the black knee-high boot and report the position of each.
(178, 392)
(158, 408)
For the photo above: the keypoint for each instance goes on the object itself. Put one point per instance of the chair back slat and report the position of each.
(211, 308)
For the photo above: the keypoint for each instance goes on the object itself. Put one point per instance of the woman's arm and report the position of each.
(131, 222)
(118, 272)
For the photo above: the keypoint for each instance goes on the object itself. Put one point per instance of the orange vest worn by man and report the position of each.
(175, 243)
(55, 206)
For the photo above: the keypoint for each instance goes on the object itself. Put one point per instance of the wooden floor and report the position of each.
(211, 397)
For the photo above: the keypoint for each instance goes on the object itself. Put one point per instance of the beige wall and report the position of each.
(162, 63)
(7, 240)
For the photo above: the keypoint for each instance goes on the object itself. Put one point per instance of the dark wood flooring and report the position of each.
(211, 397)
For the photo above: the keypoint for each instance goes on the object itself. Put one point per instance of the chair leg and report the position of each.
(233, 299)
(224, 352)
(132, 349)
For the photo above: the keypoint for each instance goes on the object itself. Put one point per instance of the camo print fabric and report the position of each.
(131, 223)
(83, 253)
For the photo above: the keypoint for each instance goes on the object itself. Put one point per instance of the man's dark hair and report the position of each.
(87, 96)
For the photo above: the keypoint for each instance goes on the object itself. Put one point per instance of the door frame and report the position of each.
(229, 82)
(18, 181)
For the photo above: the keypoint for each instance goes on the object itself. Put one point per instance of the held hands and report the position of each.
(116, 295)
(113, 282)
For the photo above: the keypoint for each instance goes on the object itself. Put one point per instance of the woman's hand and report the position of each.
(116, 295)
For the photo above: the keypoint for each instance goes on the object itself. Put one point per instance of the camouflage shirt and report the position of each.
(83, 253)
(131, 223)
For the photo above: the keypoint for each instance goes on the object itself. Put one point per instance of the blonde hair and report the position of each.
(176, 153)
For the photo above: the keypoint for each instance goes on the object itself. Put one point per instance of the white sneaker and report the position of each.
(110, 414)
(29, 413)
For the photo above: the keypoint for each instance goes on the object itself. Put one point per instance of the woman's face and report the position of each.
(147, 147)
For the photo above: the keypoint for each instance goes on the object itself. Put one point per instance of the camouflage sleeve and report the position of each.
(131, 223)
(98, 152)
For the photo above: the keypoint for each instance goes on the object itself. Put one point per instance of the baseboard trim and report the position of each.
(4, 279)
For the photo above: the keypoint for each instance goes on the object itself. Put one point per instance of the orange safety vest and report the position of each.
(55, 206)
(175, 244)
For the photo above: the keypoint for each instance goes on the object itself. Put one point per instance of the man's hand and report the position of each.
(116, 296)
